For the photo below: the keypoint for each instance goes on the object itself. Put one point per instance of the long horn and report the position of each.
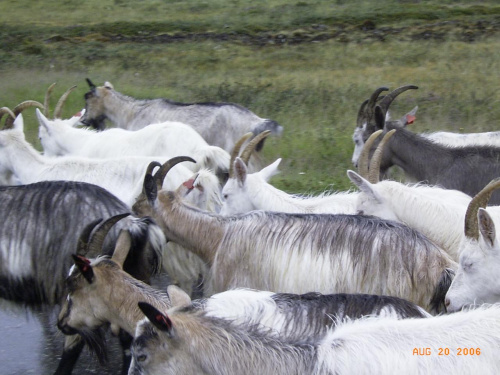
(167, 166)
(365, 154)
(369, 108)
(122, 247)
(374, 170)
(388, 99)
(6, 111)
(46, 103)
(99, 234)
(62, 100)
(148, 187)
(19, 108)
(247, 152)
(481, 199)
(236, 151)
(83, 240)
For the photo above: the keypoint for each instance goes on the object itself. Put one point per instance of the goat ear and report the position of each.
(83, 265)
(240, 170)
(19, 122)
(270, 170)
(486, 227)
(108, 85)
(379, 118)
(42, 120)
(178, 297)
(364, 185)
(158, 319)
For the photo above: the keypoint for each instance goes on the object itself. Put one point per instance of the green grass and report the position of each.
(306, 64)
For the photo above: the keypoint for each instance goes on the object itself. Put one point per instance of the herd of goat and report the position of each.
(391, 278)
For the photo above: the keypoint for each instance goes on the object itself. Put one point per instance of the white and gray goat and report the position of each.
(166, 139)
(188, 341)
(220, 124)
(299, 253)
(477, 275)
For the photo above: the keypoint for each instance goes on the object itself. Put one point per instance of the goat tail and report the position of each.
(437, 300)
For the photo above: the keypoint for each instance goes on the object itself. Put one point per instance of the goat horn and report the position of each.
(91, 85)
(368, 112)
(386, 102)
(481, 199)
(62, 100)
(365, 153)
(122, 247)
(236, 151)
(148, 188)
(99, 234)
(47, 99)
(83, 240)
(374, 170)
(8, 111)
(19, 108)
(247, 152)
(165, 168)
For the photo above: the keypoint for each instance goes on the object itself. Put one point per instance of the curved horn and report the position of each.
(62, 100)
(19, 108)
(481, 199)
(47, 99)
(83, 240)
(374, 170)
(148, 186)
(7, 111)
(361, 114)
(99, 234)
(91, 85)
(369, 108)
(365, 153)
(386, 102)
(165, 168)
(247, 152)
(236, 151)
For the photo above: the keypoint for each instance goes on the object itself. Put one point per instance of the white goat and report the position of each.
(477, 275)
(188, 341)
(244, 192)
(167, 139)
(298, 253)
(121, 176)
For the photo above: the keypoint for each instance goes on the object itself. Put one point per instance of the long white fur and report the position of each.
(253, 192)
(167, 139)
(437, 213)
(464, 139)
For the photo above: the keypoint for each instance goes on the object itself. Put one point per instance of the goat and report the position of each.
(437, 213)
(121, 176)
(298, 253)
(165, 139)
(477, 275)
(188, 341)
(467, 169)
(44, 220)
(365, 123)
(209, 119)
(244, 192)
(100, 292)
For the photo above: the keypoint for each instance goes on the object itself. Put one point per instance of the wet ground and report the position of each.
(30, 343)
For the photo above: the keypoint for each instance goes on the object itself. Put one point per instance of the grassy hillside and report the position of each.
(306, 64)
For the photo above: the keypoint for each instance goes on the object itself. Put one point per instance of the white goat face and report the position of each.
(359, 142)
(235, 200)
(476, 281)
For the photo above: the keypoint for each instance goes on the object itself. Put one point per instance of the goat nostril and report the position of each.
(447, 302)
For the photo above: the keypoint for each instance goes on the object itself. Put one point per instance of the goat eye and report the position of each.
(141, 358)
(225, 196)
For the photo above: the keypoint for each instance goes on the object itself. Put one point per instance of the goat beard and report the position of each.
(95, 339)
